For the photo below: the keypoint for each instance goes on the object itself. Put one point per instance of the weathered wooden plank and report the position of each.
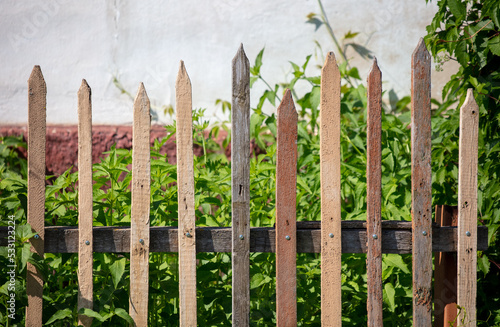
(85, 255)
(421, 184)
(467, 211)
(331, 238)
(445, 274)
(286, 197)
(139, 236)
(240, 183)
(37, 103)
(185, 184)
(111, 239)
(373, 205)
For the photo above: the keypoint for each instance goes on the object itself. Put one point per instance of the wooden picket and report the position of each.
(331, 237)
(85, 220)
(331, 244)
(240, 183)
(185, 185)
(373, 202)
(421, 184)
(286, 225)
(37, 103)
(139, 236)
(467, 211)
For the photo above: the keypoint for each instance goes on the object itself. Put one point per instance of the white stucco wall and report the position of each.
(143, 41)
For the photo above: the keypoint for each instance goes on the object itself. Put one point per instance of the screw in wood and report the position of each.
(467, 233)
(242, 237)
(141, 241)
(331, 235)
(375, 236)
(287, 237)
(87, 242)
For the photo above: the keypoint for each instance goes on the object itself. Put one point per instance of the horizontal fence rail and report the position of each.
(331, 237)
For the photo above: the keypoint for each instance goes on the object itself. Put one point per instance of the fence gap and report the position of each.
(185, 185)
(445, 274)
(139, 236)
(85, 225)
(467, 211)
(421, 184)
(240, 184)
(286, 197)
(331, 242)
(374, 186)
(37, 103)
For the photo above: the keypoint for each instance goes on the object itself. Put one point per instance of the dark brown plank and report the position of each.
(286, 240)
(373, 205)
(240, 184)
(421, 184)
(37, 103)
(445, 274)
(262, 239)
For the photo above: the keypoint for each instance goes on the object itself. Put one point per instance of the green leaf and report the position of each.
(494, 45)
(59, 315)
(483, 263)
(457, 8)
(117, 269)
(124, 315)
(91, 313)
(461, 53)
(390, 296)
(397, 261)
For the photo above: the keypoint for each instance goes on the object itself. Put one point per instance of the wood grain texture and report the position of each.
(37, 103)
(445, 274)
(286, 198)
(421, 184)
(331, 247)
(467, 210)
(240, 183)
(85, 254)
(185, 184)
(374, 187)
(141, 175)
(113, 239)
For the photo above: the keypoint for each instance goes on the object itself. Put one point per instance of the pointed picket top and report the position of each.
(374, 70)
(421, 51)
(182, 77)
(84, 86)
(470, 103)
(286, 109)
(241, 68)
(141, 100)
(36, 75)
(330, 63)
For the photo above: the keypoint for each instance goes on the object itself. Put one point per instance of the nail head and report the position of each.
(37, 236)
(242, 237)
(188, 234)
(375, 236)
(424, 233)
(141, 241)
(331, 235)
(467, 233)
(87, 242)
(287, 237)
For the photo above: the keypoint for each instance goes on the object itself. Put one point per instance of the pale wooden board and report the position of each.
(240, 183)
(374, 186)
(331, 247)
(421, 184)
(85, 254)
(467, 211)
(37, 102)
(286, 186)
(185, 184)
(395, 239)
(141, 174)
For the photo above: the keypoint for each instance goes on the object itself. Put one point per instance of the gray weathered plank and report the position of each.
(185, 185)
(286, 197)
(240, 183)
(373, 205)
(467, 211)
(37, 102)
(85, 255)
(139, 236)
(421, 184)
(262, 239)
(331, 238)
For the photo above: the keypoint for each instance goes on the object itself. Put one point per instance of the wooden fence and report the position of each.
(331, 237)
